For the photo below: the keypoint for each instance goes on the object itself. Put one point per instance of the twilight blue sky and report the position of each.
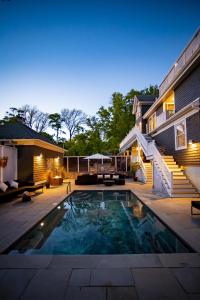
(74, 54)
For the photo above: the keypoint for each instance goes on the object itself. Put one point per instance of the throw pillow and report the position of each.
(14, 184)
(3, 186)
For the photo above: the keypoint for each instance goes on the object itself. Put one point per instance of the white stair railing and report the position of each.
(166, 174)
(151, 152)
(142, 168)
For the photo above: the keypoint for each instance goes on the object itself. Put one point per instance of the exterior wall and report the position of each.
(40, 163)
(25, 163)
(185, 157)
(188, 90)
(140, 120)
(159, 110)
(193, 172)
(31, 166)
(144, 122)
(9, 172)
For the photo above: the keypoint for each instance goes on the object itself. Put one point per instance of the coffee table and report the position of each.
(109, 182)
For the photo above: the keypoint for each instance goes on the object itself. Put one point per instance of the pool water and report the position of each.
(99, 222)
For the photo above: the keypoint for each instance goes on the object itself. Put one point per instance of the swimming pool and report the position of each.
(99, 222)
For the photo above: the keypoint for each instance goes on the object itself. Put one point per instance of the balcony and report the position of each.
(185, 58)
(163, 117)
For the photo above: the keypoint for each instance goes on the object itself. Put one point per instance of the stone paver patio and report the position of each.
(113, 277)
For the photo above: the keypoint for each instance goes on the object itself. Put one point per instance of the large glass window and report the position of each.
(180, 135)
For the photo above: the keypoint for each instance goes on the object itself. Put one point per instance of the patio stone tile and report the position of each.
(121, 293)
(80, 277)
(86, 293)
(14, 282)
(178, 260)
(188, 278)
(111, 277)
(47, 284)
(74, 261)
(23, 261)
(157, 284)
(130, 261)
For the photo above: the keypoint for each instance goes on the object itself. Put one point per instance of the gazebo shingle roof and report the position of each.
(20, 131)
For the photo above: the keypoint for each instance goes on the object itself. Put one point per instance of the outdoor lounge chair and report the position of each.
(195, 204)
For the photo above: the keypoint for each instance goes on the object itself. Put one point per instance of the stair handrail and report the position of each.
(128, 137)
(167, 174)
(142, 167)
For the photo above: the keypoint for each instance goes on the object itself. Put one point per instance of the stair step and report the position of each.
(177, 172)
(184, 191)
(180, 181)
(168, 156)
(182, 186)
(186, 195)
(179, 177)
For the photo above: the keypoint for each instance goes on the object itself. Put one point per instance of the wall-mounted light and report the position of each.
(39, 156)
(42, 224)
(190, 142)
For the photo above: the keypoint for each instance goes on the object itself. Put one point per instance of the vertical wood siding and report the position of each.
(188, 90)
(189, 156)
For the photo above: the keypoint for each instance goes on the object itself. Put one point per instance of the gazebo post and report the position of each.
(78, 163)
(115, 164)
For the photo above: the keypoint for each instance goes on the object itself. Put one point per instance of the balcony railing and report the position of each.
(181, 63)
(163, 117)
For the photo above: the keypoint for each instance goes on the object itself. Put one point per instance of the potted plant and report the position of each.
(134, 167)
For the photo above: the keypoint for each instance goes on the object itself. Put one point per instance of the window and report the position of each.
(170, 109)
(180, 135)
(152, 122)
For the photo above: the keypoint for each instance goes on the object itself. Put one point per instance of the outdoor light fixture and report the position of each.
(40, 156)
(190, 142)
(42, 224)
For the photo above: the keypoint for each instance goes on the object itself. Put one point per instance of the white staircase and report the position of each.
(181, 185)
(173, 179)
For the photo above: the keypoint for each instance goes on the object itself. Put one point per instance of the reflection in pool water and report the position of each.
(99, 222)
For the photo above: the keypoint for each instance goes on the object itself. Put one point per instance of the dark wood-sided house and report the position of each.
(37, 155)
(171, 139)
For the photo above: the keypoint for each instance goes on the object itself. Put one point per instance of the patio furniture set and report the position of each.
(107, 179)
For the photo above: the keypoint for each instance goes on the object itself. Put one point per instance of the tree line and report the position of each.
(79, 133)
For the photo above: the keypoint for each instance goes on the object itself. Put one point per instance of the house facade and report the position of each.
(169, 135)
(37, 156)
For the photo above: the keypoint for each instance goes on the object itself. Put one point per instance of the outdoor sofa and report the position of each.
(87, 179)
(14, 192)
